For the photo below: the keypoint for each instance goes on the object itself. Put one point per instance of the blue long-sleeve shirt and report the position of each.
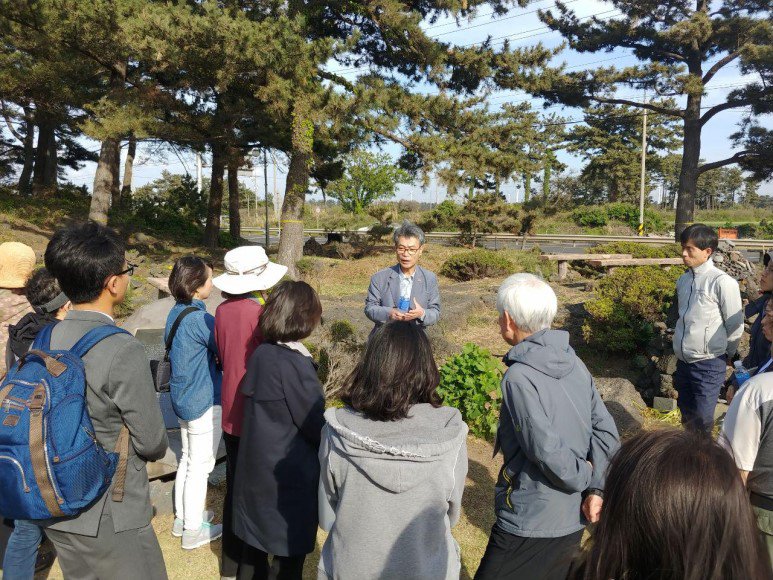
(195, 381)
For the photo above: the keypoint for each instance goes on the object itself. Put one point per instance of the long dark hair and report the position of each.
(292, 312)
(396, 372)
(675, 508)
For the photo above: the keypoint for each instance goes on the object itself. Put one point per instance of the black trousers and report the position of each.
(232, 546)
(255, 566)
(518, 558)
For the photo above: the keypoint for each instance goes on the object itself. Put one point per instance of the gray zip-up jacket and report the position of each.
(710, 314)
(551, 424)
(390, 491)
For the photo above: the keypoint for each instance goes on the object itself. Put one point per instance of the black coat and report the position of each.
(277, 472)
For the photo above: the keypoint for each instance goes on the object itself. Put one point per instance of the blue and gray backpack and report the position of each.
(51, 464)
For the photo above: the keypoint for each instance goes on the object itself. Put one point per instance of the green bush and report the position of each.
(478, 263)
(638, 250)
(469, 381)
(442, 217)
(628, 302)
(341, 331)
(590, 217)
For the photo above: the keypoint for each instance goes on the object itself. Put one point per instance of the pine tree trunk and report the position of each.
(25, 178)
(212, 229)
(45, 132)
(234, 218)
(128, 166)
(52, 165)
(526, 187)
(291, 239)
(108, 167)
(546, 176)
(688, 176)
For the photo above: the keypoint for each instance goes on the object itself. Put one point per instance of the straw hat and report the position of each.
(247, 269)
(17, 261)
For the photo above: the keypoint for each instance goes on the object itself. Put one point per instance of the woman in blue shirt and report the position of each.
(195, 391)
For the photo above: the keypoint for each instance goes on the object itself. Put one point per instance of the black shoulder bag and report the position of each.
(162, 369)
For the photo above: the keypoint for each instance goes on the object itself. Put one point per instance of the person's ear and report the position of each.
(112, 285)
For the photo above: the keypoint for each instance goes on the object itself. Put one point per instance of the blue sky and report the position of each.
(522, 28)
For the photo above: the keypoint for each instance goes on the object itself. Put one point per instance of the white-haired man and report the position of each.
(556, 438)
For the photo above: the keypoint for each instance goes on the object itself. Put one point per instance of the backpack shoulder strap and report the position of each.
(43, 338)
(175, 326)
(94, 336)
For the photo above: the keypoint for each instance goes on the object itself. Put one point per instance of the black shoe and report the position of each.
(44, 561)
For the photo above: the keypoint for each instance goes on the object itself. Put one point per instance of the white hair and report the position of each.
(529, 301)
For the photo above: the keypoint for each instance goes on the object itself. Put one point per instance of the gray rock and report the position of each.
(719, 258)
(622, 399)
(664, 404)
(667, 364)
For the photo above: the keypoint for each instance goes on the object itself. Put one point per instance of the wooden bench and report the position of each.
(611, 263)
(564, 259)
(162, 285)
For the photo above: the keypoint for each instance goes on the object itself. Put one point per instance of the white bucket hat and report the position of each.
(247, 269)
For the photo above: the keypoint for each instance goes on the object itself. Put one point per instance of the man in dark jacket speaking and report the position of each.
(556, 438)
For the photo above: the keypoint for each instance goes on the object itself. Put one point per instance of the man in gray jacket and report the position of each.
(556, 437)
(709, 328)
(405, 291)
(112, 538)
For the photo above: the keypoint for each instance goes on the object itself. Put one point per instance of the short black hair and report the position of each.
(41, 288)
(396, 372)
(701, 235)
(82, 257)
(292, 312)
(189, 273)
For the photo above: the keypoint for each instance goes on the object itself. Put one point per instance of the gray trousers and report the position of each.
(110, 555)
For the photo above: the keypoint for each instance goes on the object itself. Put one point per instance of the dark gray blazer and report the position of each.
(384, 294)
(119, 391)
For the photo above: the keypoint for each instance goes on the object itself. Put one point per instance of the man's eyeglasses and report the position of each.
(129, 270)
(407, 250)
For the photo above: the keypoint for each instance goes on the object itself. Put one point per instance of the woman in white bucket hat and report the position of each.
(248, 274)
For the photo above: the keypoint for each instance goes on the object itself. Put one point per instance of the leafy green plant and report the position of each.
(470, 382)
(638, 250)
(478, 263)
(341, 331)
(628, 302)
(590, 216)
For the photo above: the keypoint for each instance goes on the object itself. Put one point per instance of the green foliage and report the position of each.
(628, 302)
(69, 202)
(341, 331)
(478, 263)
(628, 213)
(442, 217)
(486, 213)
(470, 382)
(638, 250)
(590, 216)
(368, 177)
(761, 231)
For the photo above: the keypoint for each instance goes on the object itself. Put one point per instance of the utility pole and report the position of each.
(198, 172)
(643, 169)
(265, 189)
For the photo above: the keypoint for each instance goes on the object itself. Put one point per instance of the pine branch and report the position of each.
(649, 106)
(719, 64)
(11, 128)
(740, 156)
(723, 107)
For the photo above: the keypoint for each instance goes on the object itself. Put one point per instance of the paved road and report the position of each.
(553, 248)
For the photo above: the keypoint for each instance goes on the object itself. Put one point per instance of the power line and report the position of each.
(478, 17)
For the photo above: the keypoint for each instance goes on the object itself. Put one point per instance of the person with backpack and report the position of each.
(112, 537)
(277, 474)
(245, 284)
(17, 262)
(393, 453)
(50, 305)
(195, 391)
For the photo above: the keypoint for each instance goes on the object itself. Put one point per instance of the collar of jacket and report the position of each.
(396, 271)
(89, 316)
(703, 268)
